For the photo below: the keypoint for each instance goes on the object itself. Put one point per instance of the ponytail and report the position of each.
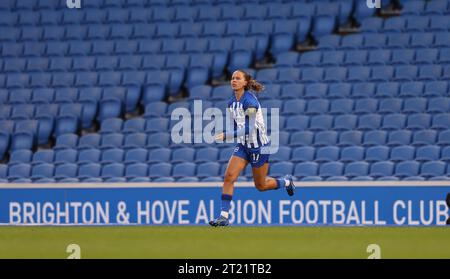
(252, 84)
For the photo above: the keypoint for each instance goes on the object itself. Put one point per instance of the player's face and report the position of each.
(238, 81)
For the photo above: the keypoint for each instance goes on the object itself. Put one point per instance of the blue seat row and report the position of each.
(161, 14)
(141, 172)
(403, 24)
(417, 7)
(373, 57)
(382, 40)
(331, 91)
(213, 62)
(370, 138)
(379, 74)
(172, 79)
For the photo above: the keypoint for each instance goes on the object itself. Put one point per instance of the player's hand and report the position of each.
(220, 137)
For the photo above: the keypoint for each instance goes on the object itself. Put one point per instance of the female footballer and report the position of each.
(250, 132)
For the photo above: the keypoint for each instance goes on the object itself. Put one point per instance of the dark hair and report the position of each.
(252, 84)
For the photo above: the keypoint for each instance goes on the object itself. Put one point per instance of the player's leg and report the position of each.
(262, 181)
(260, 168)
(235, 166)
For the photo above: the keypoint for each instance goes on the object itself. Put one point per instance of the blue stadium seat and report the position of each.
(317, 106)
(207, 169)
(42, 171)
(302, 138)
(424, 137)
(89, 171)
(208, 154)
(136, 155)
(137, 172)
(159, 155)
(323, 25)
(418, 121)
(345, 122)
(158, 140)
(349, 138)
(433, 168)
(297, 123)
(324, 138)
(399, 137)
(317, 90)
(19, 171)
(43, 156)
(66, 141)
(376, 137)
(394, 121)
(20, 156)
(351, 154)
(65, 156)
(306, 169)
(113, 155)
(407, 168)
(327, 154)
(428, 153)
(65, 171)
(89, 156)
(111, 125)
(155, 109)
(402, 153)
(113, 172)
(321, 122)
(113, 140)
(438, 105)
(355, 169)
(283, 154)
(387, 90)
(303, 154)
(377, 153)
(134, 125)
(414, 105)
(183, 155)
(110, 108)
(366, 106)
(445, 155)
(382, 169)
(390, 106)
(183, 170)
(331, 169)
(66, 124)
(281, 168)
(135, 140)
(441, 121)
(89, 141)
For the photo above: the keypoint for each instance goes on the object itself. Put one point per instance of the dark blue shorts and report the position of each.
(251, 155)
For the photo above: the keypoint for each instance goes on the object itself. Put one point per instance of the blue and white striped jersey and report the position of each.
(237, 109)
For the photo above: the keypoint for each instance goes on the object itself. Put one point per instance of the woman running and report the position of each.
(252, 144)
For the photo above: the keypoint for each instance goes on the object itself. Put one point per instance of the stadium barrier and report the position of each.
(404, 203)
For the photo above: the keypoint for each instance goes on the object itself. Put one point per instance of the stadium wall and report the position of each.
(405, 203)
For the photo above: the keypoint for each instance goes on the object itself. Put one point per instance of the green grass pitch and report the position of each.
(229, 242)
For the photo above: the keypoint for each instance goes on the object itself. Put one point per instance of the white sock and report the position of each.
(224, 214)
(286, 182)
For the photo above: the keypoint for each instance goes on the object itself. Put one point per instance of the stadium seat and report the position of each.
(87, 156)
(427, 153)
(407, 168)
(65, 156)
(382, 169)
(377, 153)
(327, 154)
(402, 153)
(41, 171)
(66, 171)
(137, 172)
